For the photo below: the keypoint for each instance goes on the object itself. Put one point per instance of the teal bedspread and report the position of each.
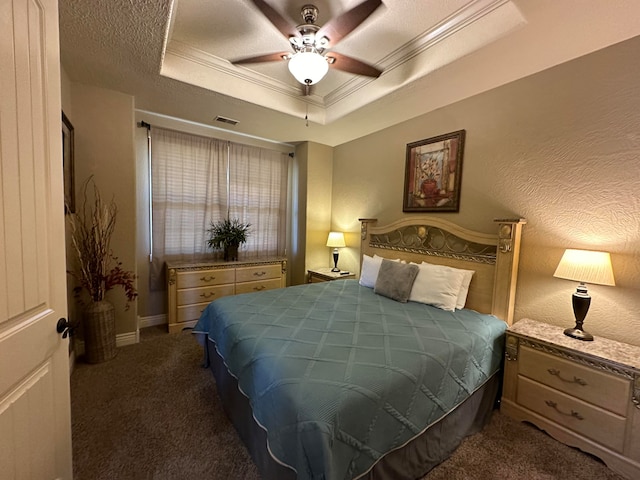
(339, 376)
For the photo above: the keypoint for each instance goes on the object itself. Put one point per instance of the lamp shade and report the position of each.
(336, 239)
(586, 266)
(308, 67)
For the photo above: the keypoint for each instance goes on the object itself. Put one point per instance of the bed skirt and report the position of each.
(412, 461)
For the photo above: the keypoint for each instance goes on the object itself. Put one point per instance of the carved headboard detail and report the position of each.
(494, 258)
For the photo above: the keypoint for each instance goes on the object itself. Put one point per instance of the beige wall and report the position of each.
(103, 121)
(318, 221)
(561, 149)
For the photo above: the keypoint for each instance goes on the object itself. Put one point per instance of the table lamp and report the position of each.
(584, 266)
(335, 240)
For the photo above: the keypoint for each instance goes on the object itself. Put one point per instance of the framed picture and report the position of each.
(67, 165)
(433, 174)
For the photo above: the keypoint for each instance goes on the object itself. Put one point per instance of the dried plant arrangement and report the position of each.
(98, 270)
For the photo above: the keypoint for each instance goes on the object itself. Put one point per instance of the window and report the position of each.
(197, 180)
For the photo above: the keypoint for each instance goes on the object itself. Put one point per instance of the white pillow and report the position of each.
(437, 285)
(464, 286)
(370, 269)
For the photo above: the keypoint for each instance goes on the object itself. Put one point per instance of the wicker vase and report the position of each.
(99, 324)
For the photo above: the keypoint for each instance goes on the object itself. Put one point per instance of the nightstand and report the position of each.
(326, 275)
(584, 394)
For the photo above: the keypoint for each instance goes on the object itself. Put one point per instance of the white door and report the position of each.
(35, 427)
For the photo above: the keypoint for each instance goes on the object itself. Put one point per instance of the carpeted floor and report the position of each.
(152, 413)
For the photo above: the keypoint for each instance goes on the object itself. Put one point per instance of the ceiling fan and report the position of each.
(310, 59)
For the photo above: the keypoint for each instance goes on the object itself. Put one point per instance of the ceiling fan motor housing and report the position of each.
(309, 13)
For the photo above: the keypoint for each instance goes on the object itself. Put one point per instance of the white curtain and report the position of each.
(198, 180)
(258, 182)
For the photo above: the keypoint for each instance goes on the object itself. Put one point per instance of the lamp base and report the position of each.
(578, 334)
(335, 261)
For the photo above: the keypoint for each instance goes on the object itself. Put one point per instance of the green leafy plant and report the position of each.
(98, 270)
(227, 233)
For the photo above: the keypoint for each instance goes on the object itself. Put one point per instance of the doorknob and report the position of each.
(64, 327)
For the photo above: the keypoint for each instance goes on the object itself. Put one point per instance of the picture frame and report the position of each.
(433, 174)
(67, 165)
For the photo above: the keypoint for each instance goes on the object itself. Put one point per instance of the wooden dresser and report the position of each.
(584, 394)
(192, 286)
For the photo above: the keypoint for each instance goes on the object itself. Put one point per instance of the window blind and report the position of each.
(197, 180)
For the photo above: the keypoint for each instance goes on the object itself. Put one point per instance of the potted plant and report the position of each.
(228, 235)
(97, 271)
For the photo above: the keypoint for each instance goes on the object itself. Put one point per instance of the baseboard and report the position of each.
(152, 320)
(122, 339)
(129, 338)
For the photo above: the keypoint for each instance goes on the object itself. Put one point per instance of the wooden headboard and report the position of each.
(494, 258)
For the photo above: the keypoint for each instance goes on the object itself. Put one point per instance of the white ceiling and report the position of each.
(175, 57)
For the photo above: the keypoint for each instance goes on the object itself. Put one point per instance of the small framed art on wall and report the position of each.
(433, 174)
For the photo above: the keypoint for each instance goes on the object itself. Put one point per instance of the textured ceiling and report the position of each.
(174, 57)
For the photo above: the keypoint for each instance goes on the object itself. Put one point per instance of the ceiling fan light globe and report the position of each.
(308, 67)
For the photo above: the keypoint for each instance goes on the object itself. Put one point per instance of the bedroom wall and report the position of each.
(318, 218)
(103, 122)
(560, 148)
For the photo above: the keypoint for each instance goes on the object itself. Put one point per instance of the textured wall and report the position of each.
(561, 149)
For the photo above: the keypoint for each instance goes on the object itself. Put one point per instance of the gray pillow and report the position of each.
(395, 280)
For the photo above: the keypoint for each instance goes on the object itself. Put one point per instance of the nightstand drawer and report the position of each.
(203, 278)
(600, 425)
(203, 294)
(259, 286)
(594, 386)
(260, 272)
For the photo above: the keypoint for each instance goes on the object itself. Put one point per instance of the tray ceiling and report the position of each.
(175, 57)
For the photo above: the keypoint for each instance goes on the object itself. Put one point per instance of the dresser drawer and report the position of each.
(191, 312)
(596, 423)
(259, 286)
(203, 294)
(204, 278)
(594, 386)
(258, 272)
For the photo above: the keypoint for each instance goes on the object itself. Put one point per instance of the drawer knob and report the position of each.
(578, 380)
(573, 414)
(259, 274)
(208, 295)
(261, 287)
(207, 279)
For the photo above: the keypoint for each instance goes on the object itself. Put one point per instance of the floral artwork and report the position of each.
(433, 174)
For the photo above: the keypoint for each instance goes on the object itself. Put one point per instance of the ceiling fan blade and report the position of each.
(351, 65)
(285, 27)
(269, 57)
(339, 27)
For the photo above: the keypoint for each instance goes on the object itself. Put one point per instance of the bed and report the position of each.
(365, 378)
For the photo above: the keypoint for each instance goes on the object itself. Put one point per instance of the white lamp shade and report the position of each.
(586, 266)
(308, 67)
(335, 240)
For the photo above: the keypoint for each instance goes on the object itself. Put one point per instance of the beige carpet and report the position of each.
(152, 413)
